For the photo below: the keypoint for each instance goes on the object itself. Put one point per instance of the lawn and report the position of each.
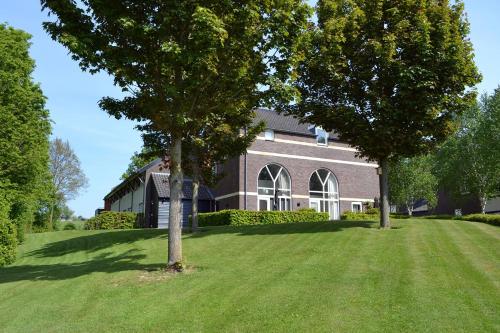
(422, 276)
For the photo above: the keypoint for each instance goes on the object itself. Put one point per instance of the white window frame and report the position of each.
(281, 197)
(269, 135)
(357, 203)
(319, 130)
(333, 203)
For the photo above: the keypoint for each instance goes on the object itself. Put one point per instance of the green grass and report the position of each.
(422, 276)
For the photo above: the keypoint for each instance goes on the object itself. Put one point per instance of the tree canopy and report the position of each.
(411, 180)
(390, 77)
(469, 161)
(24, 174)
(181, 62)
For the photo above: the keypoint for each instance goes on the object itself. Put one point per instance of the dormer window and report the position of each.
(269, 135)
(321, 137)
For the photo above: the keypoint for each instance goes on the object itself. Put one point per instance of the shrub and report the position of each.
(373, 211)
(8, 242)
(112, 220)
(245, 217)
(485, 218)
(69, 226)
(358, 216)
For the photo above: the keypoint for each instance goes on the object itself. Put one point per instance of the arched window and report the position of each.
(324, 193)
(274, 188)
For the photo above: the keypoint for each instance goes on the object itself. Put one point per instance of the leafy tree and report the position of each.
(68, 177)
(388, 76)
(469, 162)
(138, 160)
(170, 56)
(24, 134)
(412, 179)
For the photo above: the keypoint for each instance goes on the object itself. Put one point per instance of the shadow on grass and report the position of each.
(95, 242)
(286, 228)
(104, 263)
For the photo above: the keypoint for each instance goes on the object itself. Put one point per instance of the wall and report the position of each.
(301, 156)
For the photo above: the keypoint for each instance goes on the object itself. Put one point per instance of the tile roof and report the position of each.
(160, 181)
(283, 123)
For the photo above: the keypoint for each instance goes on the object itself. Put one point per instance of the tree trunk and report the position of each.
(482, 201)
(175, 216)
(196, 187)
(385, 223)
(410, 210)
(51, 217)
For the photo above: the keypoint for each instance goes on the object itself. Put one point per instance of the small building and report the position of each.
(147, 193)
(290, 166)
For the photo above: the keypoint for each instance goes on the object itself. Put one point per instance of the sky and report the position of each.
(104, 144)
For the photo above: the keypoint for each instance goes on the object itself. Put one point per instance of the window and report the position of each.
(274, 188)
(356, 207)
(324, 193)
(321, 137)
(269, 135)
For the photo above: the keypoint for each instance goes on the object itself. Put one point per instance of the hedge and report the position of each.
(245, 217)
(8, 242)
(485, 218)
(112, 220)
(370, 214)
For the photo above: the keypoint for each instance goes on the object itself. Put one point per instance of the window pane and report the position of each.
(315, 183)
(269, 135)
(283, 181)
(265, 179)
(262, 204)
(332, 184)
(316, 194)
(323, 174)
(274, 169)
(266, 191)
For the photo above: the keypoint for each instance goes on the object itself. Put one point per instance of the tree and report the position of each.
(170, 56)
(469, 162)
(24, 134)
(68, 177)
(138, 160)
(412, 179)
(388, 76)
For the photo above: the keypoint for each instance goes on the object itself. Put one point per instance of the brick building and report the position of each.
(288, 167)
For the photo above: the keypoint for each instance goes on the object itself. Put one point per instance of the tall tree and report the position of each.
(388, 76)
(24, 133)
(68, 178)
(411, 180)
(171, 55)
(469, 162)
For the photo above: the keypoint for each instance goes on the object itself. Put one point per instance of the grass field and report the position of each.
(422, 276)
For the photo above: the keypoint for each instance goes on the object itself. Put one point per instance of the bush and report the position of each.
(8, 242)
(373, 211)
(245, 217)
(485, 218)
(358, 216)
(112, 220)
(69, 226)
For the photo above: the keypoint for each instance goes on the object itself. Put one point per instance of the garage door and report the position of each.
(164, 210)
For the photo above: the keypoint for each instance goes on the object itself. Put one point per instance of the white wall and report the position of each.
(115, 205)
(126, 202)
(138, 199)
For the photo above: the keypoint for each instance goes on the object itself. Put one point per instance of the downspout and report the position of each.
(245, 177)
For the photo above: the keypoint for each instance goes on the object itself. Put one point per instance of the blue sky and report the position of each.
(104, 145)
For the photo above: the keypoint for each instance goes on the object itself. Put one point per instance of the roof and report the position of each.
(285, 123)
(160, 181)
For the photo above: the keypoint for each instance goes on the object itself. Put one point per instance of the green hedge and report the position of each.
(8, 242)
(245, 217)
(370, 214)
(485, 218)
(112, 220)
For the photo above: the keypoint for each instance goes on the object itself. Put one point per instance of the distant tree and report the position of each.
(138, 160)
(469, 162)
(411, 180)
(68, 178)
(388, 76)
(66, 212)
(170, 56)
(24, 134)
